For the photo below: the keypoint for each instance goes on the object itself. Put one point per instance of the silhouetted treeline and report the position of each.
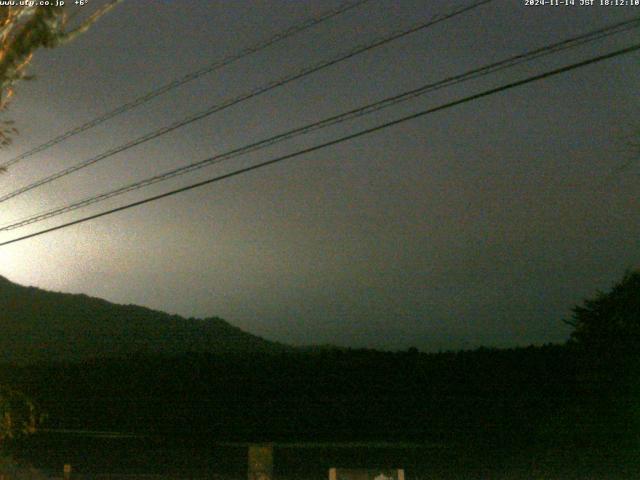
(507, 397)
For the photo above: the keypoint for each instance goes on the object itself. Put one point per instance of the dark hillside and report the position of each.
(39, 325)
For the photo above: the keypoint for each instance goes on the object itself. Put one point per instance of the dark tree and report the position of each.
(610, 321)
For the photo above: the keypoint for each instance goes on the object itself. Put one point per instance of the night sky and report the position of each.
(478, 225)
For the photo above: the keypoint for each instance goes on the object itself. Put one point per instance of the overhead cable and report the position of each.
(278, 37)
(339, 140)
(333, 120)
(243, 97)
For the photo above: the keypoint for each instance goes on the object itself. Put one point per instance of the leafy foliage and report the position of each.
(18, 414)
(610, 321)
(24, 29)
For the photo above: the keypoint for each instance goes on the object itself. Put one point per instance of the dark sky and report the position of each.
(479, 225)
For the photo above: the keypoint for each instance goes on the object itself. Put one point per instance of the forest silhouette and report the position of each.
(579, 397)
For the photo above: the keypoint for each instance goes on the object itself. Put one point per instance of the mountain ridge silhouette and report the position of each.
(39, 325)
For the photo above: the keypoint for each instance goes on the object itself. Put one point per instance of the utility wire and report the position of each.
(243, 97)
(336, 119)
(345, 138)
(284, 34)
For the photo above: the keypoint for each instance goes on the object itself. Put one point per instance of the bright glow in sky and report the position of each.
(482, 224)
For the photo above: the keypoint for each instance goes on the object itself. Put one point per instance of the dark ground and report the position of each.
(126, 457)
(540, 412)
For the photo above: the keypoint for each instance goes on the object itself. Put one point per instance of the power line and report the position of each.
(336, 119)
(337, 141)
(280, 36)
(243, 97)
